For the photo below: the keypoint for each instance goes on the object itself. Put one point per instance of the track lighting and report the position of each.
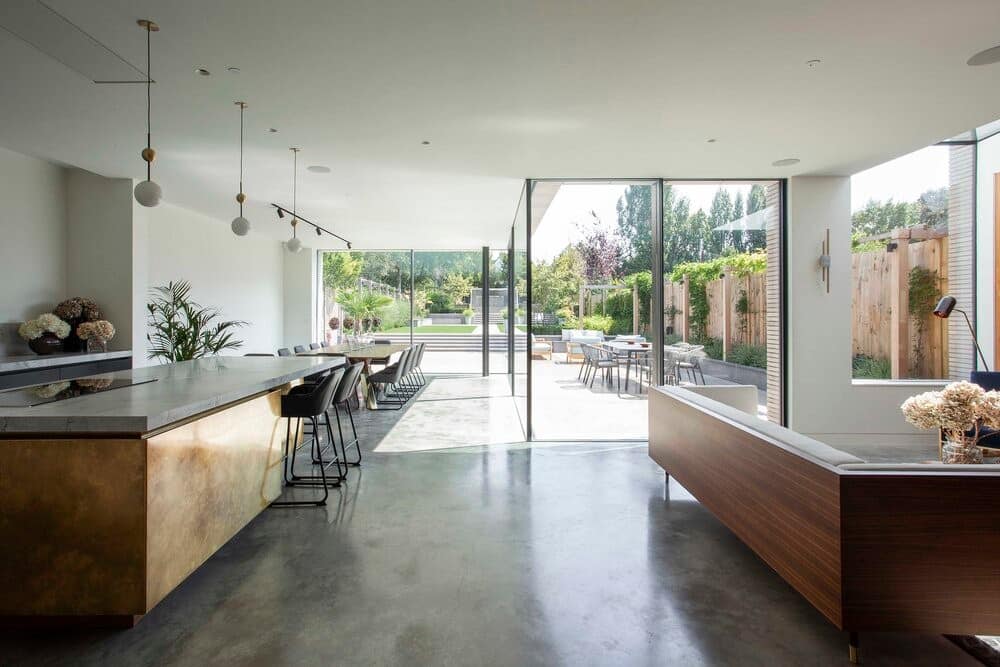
(240, 225)
(319, 232)
(281, 214)
(148, 192)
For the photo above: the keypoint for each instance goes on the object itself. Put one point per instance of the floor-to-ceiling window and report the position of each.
(366, 292)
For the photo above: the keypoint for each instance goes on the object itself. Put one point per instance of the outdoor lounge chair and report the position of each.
(540, 349)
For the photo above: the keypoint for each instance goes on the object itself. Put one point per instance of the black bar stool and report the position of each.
(309, 401)
(345, 392)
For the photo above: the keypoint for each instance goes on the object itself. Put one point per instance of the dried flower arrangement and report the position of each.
(78, 308)
(100, 329)
(960, 411)
(44, 323)
(50, 390)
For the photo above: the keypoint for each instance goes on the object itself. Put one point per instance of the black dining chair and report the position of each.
(309, 402)
(284, 352)
(299, 349)
(314, 346)
(391, 378)
(258, 354)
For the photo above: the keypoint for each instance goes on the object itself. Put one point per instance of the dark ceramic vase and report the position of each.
(47, 343)
(72, 342)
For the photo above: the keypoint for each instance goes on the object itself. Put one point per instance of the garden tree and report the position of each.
(720, 213)
(635, 227)
(599, 251)
(682, 241)
(556, 284)
(457, 287)
(739, 236)
(934, 207)
(879, 217)
(757, 199)
(755, 239)
(341, 270)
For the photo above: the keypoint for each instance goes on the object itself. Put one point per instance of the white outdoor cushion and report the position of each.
(567, 334)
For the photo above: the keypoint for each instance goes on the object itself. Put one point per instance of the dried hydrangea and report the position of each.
(989, 409)
(101, 330)
(921, 410)
(44, 323)
(50, 390)
(959, 407)
(78, 308)
(94, 383)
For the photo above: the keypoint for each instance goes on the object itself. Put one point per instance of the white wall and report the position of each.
(242, 276)
(824, 402)
(987, 164)
(300, 297)
(101, 240)
(32, 242)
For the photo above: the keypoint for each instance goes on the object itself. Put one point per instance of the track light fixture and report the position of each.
(281, 213)
(240, 225)
(148, 192)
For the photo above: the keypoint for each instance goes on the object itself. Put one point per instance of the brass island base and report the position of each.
(96, 531)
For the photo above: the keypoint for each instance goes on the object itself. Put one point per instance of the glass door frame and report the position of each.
(656, 316)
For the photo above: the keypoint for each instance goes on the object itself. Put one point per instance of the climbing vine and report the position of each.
(924, 293)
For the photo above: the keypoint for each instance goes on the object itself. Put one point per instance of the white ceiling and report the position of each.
(504, 91)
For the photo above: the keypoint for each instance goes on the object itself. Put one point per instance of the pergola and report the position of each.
(604, 289)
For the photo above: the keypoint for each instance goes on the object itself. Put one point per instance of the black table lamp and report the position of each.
(943, 310)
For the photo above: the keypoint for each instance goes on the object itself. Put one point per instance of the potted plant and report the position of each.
(182, 329)
(96, 334)
(960, 411)
(519, 316)
(334, 324)
(467, 315)
(45, 333)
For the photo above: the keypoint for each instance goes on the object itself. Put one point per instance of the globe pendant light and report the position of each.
(241, 225)
(294, 244)
(148, 192)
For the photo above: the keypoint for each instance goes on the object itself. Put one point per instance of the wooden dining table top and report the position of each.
(368, 352)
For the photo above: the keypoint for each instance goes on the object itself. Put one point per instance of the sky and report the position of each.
(902, 179)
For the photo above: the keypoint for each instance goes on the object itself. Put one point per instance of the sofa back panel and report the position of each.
(921, 552)
(782, 504)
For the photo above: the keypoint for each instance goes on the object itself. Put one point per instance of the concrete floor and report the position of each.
(500, 555)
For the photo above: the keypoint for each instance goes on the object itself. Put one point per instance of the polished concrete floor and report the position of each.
(495, 555)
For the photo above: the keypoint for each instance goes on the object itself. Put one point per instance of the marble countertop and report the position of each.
(31, 362)
(182, 390)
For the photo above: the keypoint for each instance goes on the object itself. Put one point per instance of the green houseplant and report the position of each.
(182, 329)
(364, 309)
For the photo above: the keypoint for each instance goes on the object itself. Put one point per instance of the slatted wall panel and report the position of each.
(774, 289)
(961, 258)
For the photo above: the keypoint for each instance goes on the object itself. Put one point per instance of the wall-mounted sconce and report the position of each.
(824, 261)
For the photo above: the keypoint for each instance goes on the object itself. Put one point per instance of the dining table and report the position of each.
(365, 354)
(631, 350)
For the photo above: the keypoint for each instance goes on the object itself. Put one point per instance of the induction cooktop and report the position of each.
(40, 394)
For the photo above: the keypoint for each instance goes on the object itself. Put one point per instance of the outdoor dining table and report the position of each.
(365, 354)
(628, 350)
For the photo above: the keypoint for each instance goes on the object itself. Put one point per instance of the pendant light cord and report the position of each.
(295, 176)
(149, 124)
(242, 108)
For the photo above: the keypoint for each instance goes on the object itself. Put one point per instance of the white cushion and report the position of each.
(567, 334)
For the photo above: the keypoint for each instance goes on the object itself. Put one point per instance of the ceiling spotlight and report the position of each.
(272, 130)
(711, 141)
(786, 162)
(201, 71)
(319, 169)
(348, 246)
(425, 143)
(987, 57)
(234, 70)
(813, 63)
(318, 232)
(281, 214)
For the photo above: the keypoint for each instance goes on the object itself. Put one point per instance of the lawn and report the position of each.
(435, 329)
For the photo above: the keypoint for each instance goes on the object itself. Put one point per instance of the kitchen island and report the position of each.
(111, 499)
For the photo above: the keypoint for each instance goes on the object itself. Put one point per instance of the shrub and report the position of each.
(864, 366)
(713, 347)
(749, 355)
(396, 314)
(601, 323)
(468, 312)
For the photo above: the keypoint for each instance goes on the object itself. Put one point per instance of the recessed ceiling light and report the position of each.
(987, 57)
(710, 141)
(813, 63)
(272, 130)
(425, 143)
(234, 70)
(201, 71)
(318, 169)
(786, 162)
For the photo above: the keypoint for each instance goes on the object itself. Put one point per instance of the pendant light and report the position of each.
(294, 244)
(148, 192)
(241, 225)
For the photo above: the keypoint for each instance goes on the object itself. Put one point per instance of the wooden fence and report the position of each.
(880, 303)
(737, 310)
(881, 324)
